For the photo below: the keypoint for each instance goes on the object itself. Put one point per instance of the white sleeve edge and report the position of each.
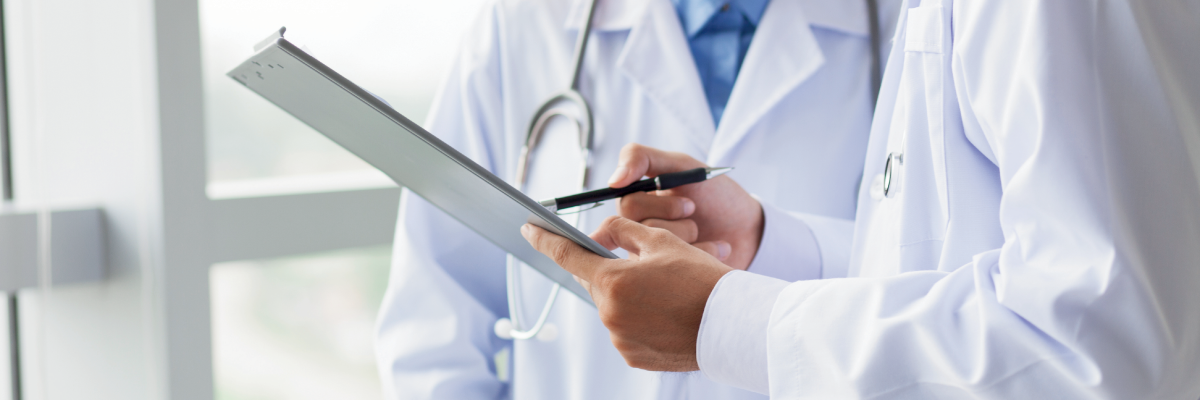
(731, 346)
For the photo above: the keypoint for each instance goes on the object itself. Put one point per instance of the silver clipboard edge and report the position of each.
(551, 223)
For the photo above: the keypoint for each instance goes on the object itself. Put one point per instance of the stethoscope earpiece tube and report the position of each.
(876, 48)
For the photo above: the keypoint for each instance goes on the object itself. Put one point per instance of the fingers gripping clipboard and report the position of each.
(366, 126)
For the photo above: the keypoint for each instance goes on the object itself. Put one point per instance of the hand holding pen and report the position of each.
(716, 215)
(661, 182)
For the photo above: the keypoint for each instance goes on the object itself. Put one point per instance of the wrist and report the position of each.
(751, 237)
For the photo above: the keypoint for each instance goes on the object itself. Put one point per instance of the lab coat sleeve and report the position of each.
(799, 246)
(434, 335)
(731, 346)
(1089, 111)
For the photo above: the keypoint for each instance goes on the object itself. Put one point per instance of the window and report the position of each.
(298, 327)
(302, 326)
(131, 308)
(397, 49)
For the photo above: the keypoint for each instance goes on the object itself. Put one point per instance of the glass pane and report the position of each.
(398, 49)
(298, 327)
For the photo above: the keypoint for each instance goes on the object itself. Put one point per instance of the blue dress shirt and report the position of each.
(719, 33)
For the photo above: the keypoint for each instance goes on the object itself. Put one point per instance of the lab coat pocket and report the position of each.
(924, 86)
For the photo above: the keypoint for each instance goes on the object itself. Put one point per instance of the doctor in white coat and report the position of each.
(802, 101)
(1028, 226)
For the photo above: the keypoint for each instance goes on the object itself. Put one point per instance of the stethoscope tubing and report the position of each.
(541, 119)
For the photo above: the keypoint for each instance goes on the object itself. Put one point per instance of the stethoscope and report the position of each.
(572, 105)
(569, 104)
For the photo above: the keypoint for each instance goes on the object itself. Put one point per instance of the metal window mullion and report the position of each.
(6, 174)
(14, 344)
(6, 194)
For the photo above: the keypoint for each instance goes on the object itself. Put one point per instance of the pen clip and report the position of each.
(577, 210)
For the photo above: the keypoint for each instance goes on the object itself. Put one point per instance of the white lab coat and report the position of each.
(795, 128)
(1042, 235)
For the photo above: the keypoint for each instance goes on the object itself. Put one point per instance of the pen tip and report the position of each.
(715, 172)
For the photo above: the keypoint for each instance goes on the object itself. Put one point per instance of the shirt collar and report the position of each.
(843, 15)
(694, 14)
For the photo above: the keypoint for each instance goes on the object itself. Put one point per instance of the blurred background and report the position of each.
(165, 232)
(300, 327)
(397, 49)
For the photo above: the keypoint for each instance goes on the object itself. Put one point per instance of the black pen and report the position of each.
(661, 182)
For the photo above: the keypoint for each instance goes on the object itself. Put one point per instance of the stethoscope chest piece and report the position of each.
(505, 330)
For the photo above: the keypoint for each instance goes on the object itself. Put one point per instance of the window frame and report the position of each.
(151, 231)
(12, 324)
(6, 175)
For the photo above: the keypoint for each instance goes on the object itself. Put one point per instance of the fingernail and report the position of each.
(618, 175)
(723, 250)
(525, 230)
(689, 207)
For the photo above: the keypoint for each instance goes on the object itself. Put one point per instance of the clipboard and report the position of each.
(370, 129)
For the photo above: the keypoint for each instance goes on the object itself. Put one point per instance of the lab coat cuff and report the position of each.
(833, 237)
(789, 250)
(731, 346)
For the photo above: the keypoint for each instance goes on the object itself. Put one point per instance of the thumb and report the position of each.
(568, 255)
(616, 231)
(637, 161)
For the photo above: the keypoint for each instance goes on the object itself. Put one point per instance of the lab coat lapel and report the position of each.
(657, 59)
(611, 15)
(783, 54)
